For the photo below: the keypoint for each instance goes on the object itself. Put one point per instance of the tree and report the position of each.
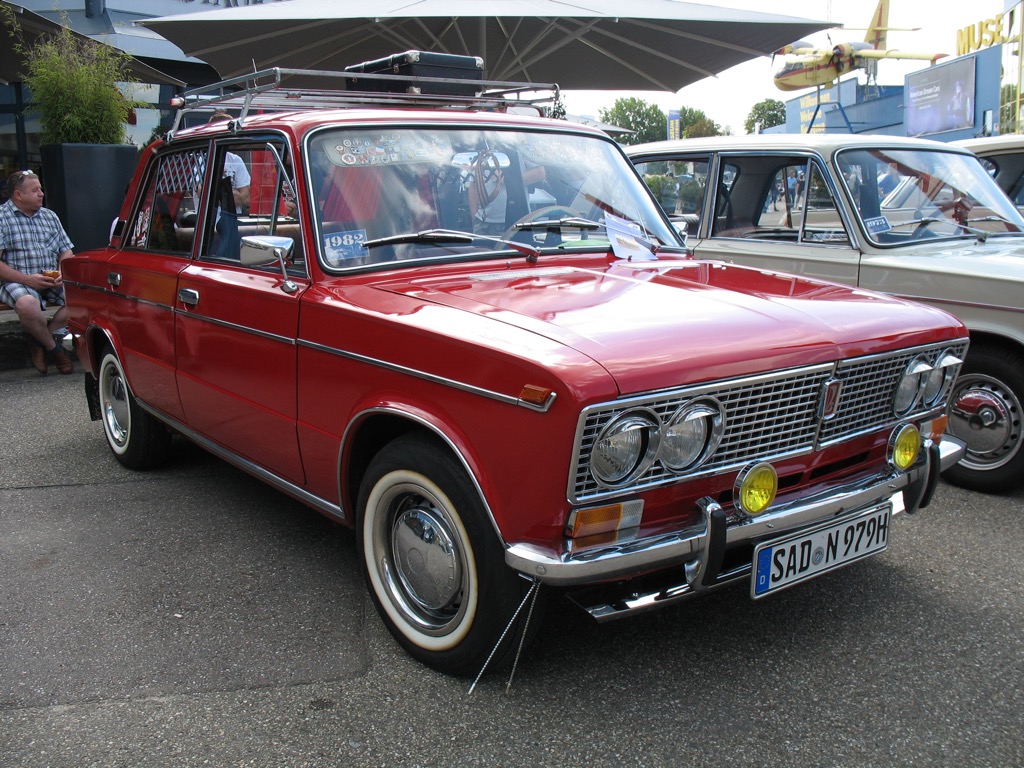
(694, 123)
(646, 120)
(703, 127)
(768, 113)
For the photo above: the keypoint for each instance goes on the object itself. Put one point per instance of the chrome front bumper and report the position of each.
(695, 549)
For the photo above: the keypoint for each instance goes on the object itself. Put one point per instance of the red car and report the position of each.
(474, 336)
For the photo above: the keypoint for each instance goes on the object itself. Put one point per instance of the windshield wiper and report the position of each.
(981, 234)
(427, 236)
(566, 221)
(451, 236)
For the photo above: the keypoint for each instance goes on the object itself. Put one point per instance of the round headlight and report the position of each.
(625, 448)
(692, 434)
(934, 385)
(938, 381)
(904, 445)
(755, 488)
(908, 391)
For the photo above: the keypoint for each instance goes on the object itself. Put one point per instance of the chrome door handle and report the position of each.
(113, 279)
(188, 296)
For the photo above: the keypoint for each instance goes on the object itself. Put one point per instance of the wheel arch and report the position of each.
(374, 428)
(987, 338)
(97, 338)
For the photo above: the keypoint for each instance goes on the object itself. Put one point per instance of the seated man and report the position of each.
(32, 245)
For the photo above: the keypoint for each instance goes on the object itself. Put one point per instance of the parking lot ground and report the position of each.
(193, 617)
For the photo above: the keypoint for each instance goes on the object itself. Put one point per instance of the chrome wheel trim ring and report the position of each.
(114, 405)
(419, 560)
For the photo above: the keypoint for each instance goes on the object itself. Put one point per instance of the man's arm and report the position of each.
(9, 274)
(241, 196)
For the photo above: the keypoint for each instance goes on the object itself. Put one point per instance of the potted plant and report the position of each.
(86, 164)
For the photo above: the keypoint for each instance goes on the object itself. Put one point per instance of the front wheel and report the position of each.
(985, 412)
(136, 439)
(432, 561)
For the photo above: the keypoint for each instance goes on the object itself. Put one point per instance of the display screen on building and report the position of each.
(941, 98)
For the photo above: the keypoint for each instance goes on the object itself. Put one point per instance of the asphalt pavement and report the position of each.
(193, 617)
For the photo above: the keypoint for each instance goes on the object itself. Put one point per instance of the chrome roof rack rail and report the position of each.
(289, 90)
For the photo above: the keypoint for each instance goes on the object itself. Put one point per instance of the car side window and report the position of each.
(679, 185)
(165, 221)
(821, 220)
(776, 199)
(253, 194)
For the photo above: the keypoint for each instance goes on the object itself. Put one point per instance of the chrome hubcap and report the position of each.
(987, 416)
(425, 559)
(422, 562)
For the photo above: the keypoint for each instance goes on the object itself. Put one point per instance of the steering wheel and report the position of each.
(547, 212)
(488, 176)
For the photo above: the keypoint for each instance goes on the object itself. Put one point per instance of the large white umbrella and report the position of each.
(578, 44)
(33, 28)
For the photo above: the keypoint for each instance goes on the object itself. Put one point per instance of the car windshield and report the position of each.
(409, 194)
(905, 196)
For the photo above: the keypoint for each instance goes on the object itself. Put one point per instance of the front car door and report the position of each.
(237, 325)
(777, 211)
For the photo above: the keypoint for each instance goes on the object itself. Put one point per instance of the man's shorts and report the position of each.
(11, 292)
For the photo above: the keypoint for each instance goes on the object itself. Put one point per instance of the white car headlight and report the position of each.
(908, 391)
(626, 447)
(692, 434)
(938, 381)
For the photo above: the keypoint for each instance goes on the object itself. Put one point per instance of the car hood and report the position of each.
(964, 271)
(658, 324)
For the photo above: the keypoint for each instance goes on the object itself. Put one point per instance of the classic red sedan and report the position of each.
(474, 336)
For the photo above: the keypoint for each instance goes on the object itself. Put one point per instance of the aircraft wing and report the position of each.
(872, 53)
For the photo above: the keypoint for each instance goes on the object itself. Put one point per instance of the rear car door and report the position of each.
(237, 325)
(142, 276)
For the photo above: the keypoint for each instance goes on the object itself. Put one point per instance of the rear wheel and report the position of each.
(986, 413)
(136, 439)
(434, 566)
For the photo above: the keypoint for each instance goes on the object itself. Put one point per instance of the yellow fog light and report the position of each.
(755, 488)
(904, 445)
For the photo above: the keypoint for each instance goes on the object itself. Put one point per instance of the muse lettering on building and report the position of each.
(982, 34)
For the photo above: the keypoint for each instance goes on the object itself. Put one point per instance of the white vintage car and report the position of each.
(916, 218)
(1003, 158)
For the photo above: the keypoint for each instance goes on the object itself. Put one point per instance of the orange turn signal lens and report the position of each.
(612, 517)
(534, 395)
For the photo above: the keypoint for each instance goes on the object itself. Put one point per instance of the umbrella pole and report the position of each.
(483, 43)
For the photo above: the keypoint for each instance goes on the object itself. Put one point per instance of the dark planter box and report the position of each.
(85, 185)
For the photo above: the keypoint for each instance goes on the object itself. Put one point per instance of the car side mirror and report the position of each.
(261, 250)
(681, 231)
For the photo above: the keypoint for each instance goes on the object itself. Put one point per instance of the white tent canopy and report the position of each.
(588, 44)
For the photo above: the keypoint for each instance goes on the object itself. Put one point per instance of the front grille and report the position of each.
(768, 417)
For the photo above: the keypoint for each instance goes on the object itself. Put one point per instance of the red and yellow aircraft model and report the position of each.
(824, 66)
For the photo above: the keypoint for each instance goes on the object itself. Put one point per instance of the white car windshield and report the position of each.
(905, 196)
(383, 195)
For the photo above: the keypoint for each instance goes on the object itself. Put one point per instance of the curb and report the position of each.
(13, 350)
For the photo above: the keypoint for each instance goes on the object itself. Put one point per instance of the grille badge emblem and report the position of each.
(828, 404)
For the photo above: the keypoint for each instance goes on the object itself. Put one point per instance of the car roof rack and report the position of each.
(288, 90)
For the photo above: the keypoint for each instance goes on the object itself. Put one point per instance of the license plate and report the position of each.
(784, 562)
